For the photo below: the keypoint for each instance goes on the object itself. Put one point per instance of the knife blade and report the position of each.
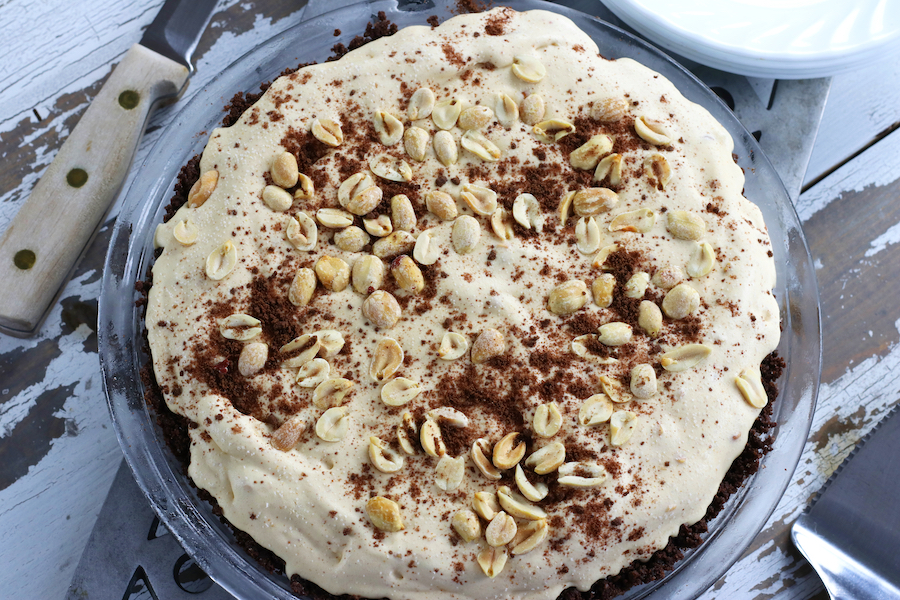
(851, 531)
(44, 241)
(175, 31)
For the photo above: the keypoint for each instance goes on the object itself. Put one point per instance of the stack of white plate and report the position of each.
(786, 39)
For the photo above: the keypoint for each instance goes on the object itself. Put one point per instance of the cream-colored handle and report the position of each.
(50, 231)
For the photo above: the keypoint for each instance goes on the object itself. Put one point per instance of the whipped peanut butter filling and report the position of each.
(471, 312)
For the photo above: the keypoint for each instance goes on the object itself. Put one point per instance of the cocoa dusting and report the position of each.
(453, 57)
(583, 322)
(496, 24)
(458, 440)
(472, 390)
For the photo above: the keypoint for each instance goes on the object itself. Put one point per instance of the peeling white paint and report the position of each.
(891, 236)
(877, 166)
(67, 368)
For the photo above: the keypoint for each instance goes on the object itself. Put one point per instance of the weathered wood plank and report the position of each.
(861, 105)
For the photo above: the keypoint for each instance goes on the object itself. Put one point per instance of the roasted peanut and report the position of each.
(382, 309)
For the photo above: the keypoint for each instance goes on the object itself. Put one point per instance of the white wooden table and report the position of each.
(58, 453)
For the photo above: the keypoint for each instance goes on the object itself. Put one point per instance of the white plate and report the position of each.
(788, 39)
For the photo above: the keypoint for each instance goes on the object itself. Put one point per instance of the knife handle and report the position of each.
(44, 241)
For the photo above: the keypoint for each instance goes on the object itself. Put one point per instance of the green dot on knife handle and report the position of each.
(24, 259)
(76, 177)
(129, 99)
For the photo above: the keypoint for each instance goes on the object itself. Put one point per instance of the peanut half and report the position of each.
(476, 143)
(533, 109)
(388, 127)
(509, 451)
(582, 475)
(621, 427)
(530, 536)
(367, 274)
(403, 216)
(203, 189)
(528, 68)
(399, 391)
(328, 132)
(331, 392)
(480, 452)
(609, 110)
(333, 425)
(465, 234)
(302, 232)
(501, 530)
(313, 372)
(302, 287)
(253, 358)
(492, 560)
(453, 346)
(386, 359)
(486, 505)
(547, 459)
(643, 381)
(276, 198)
(240, 327)
(221, 261)
(288, 434)
(749, 382)
(421, 104)
(533, 492)
(383, 458)
(450, 472)
(547, 420)
(567, 298)
(519, 508)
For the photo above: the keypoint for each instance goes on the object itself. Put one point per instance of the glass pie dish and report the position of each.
(161, 476)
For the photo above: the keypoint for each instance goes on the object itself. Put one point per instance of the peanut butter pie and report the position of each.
(472, 312)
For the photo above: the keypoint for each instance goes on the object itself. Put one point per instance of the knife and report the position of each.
(851, 531)
(45, 240)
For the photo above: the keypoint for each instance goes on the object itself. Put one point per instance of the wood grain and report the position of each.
(862, 104)
(857, 287)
